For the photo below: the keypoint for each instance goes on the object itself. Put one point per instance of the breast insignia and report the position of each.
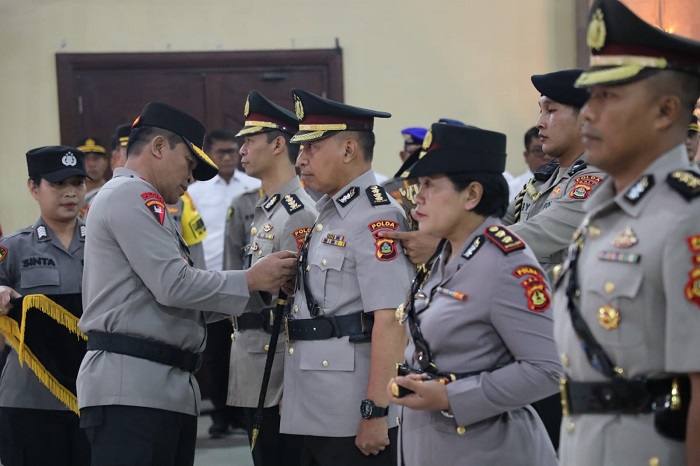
(506, 241)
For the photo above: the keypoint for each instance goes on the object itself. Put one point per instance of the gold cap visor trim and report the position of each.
(312, 136)
(624, 67)
(694, 127)
(205, 158)
(123, 141)
(329, 127)
(250, 130)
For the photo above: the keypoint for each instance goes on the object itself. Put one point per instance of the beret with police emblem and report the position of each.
(625, 48)
(190, 129)
(559, 86)
(320, 118)
(459, 149)
(56, 163)
(263, 115)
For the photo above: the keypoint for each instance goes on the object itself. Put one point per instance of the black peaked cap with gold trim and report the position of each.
(625, 48)
(122, 136)
(694, 126)
(459, 149)
(91, 146)
(559, 86)
(262, 115)
(320, 118)
(190, 129)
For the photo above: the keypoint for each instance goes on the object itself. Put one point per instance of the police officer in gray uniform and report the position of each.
(627, 308)
(283, 217)
(480, 323)
(550, 206)
(144, 303)
(344, 342)
(36, 429)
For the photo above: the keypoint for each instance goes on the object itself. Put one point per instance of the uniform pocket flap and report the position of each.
(40, 276)
(328, 355)
(327, 259)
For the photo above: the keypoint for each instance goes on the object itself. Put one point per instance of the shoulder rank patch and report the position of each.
(685, 182)
(292, 203)
(83, 230)
(386, 247)
(348, 196)
(272, 202)
(692, 288)
(377, 195)
(474, 247)
(3, 253)
(157, 208)
(504, 239)
(639, 189)
(41, 232)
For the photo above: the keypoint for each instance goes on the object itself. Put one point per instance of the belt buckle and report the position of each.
(286, 328)
(564, 393)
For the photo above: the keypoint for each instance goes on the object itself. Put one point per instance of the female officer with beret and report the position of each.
(36, 429)
(480, 327)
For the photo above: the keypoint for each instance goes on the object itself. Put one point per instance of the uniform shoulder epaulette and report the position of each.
(506, 240)
(377, 195)
(545, 172)
(292, 203)
(685, 182)
(577, 167)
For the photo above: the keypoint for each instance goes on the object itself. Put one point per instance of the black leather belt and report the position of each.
(358, 326)
(262, 320)
(145, 349)
(617, 396)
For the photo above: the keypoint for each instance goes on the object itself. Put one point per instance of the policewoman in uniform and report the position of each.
(344, 342)
(145, 304)
(36, 429)
(283, 217)
(479, 323)
(627, 308)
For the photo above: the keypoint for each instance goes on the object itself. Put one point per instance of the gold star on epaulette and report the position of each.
(506, 241)
(685, 182)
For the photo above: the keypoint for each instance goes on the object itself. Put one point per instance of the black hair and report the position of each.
(365, 140)
(218, 135)
(494, 199)
(141, 135)
(292, 149)
(531, 133)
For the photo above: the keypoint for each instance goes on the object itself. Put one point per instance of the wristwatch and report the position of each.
(369, 410)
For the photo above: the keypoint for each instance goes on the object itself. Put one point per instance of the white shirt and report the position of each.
(212, 199)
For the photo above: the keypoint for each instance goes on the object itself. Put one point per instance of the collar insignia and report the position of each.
(41, 232)
(82, 231)
(272, 202)
(474, 247)
(639, 189)
(348, 196)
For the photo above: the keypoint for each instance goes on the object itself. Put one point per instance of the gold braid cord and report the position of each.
(14, 334)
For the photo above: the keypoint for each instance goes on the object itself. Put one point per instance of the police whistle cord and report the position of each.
(276, 325)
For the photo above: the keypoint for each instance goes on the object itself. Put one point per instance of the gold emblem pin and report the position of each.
(608, 317)
(596, 31)
(399, 314)
(267, 227)
(246, 109)
(626, 239)
(253, 231)
(298, 107)
(427, 140)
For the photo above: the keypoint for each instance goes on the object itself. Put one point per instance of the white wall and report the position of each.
(464, 59)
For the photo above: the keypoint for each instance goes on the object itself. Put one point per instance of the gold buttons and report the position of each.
(564, 359)
(295, 309)
(253, 231)
(319, 227)
(570, 427)
(461, 430)
(260, 253)
(324, 363)
(323, 261)
(556, 271)
(593, 232)
(308, 268)
(653, 461)
(290, 350)
(266, 347)
(609, 287)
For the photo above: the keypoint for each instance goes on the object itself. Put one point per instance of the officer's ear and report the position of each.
(472, 195)
(668, 111)
(157, 146)
(278, 145)
(33, 188)
(350, 149)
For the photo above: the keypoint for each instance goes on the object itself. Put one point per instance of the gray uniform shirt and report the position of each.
(638, 276)
(138, 282)
(350, 270)
(281, 223)
(551, 210)
(238, 221)
(499, 321)
(36, 262)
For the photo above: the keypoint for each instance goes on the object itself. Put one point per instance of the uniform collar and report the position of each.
(42, 233)
(347, 197)
(270, 204)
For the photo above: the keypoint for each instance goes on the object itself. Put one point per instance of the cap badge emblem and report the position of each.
(298, 107)
(596, 31)
(427, 140)
(69, 160)
(246, 109)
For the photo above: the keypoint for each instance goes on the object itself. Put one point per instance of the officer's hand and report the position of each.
(272, 272)
(427, 395)
(6, 294)
(373, 436)
(418, 246)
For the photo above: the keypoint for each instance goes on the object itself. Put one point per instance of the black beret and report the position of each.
(186, 126)
(459, 149)
(625, 48)
(263, 115)
(320, 118)
(56, 163)
(559, 86)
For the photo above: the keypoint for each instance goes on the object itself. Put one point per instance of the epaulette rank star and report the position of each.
(272, 202)
(686, 182)
(348, 196)
(292, 203)
(377, 195)
(504, 239)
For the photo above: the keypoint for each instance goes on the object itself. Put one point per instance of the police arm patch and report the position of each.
(385, 247)
(3, 253)
(537, 295)
(506, 241)
(692, 288)
(157, 208)
(300, 236)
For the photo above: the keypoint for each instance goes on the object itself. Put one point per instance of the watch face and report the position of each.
(366, 408)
